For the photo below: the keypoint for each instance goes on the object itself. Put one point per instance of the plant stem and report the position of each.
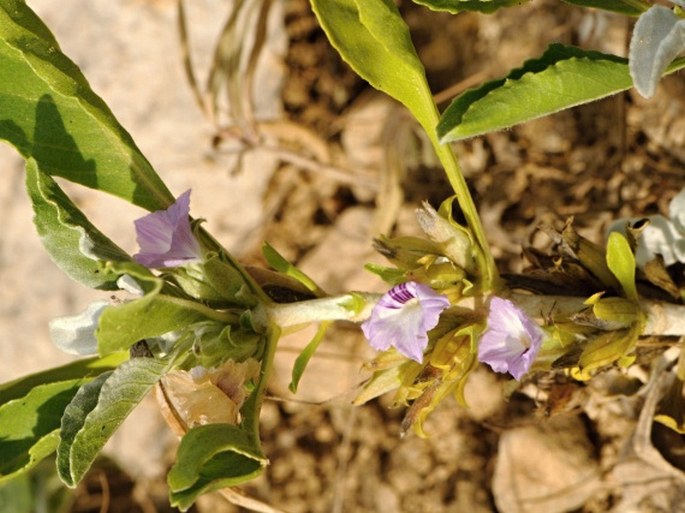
(663, 319)
(429, 118)
(456, 178)
(334, 308)
(253, 405)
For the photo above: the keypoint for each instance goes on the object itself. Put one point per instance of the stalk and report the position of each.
(663, 319)
(486, 262)
(456, 178)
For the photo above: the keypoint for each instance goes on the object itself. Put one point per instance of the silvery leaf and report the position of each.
(658, 37)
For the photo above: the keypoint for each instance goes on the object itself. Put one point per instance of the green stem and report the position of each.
(335, 308)
(254, 404)
(225, 317)
(456, 178)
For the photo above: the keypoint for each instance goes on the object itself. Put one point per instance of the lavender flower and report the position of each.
(511, 341)
(165, 237)
(403, 317)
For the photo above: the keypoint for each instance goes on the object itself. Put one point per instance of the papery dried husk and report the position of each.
(205, 396)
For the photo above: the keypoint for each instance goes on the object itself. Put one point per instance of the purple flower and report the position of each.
(403, 317)
(165, 237)
(511, 341)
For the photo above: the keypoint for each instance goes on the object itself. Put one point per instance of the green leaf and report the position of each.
(373, 39)
(73, 243)
(278, 262)
(614, 313)
(216, 279)
(210, 457)
(457, 6)
(390, 275)
(621, 262)
(98, 409)
(563, 77)
(29, 426)
(220, 455)
(303, 358)
(31, 408)
(216, 456)
(51, 115)
(37, 491)
(626, 7)
(152, 315)
(607, 348)
(16, 496)
(80, 369)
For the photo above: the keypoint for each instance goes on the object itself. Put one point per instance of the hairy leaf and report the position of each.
(50, 114)
(457, 6)
(373, 39)
(81, 369)
(210, 457)
(74, 244)
(563, 77)
(152, 315)
(31, 408)
(658, 38)
(98, 409)
(607, 348)
(627, 7)
(29, 426)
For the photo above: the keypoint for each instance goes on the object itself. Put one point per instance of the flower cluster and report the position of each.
(403, 317)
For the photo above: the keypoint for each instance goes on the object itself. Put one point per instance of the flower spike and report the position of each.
(403, 317)
(166, 238)
(511, 341)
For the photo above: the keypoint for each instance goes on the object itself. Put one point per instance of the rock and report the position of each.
(545, 468)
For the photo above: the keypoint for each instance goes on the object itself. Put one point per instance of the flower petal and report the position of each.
(511, 341)
(166, 238)
(660, 237)
(676, 210)
(403, 317)
(658, 37)
(75, 334)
